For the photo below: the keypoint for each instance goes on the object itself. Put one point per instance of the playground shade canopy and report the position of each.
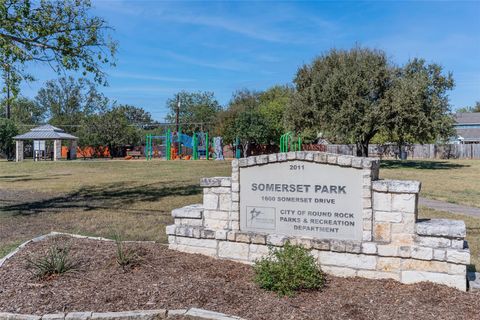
(45, 132)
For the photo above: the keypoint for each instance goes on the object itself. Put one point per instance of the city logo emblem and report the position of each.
(261, 217)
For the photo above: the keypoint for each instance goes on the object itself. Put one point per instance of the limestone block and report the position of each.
(300, 155)
(51, 316)
(242, 237)
(388, 264)
(235, 206)
(382, 231)
(457, 269)
(367, 214)
(304, 242)
(189, 222)
(357, 163)
(405, 251)
(235, 187)
(458, 256)
(407, 226)
(220, 190)
(233, 250)
(235, 196)
(207, 234)
(367, 202)
(344, 161)
(184, 231)
(369, 274)
(433, 242)
(291, 155)
(257, 252)
(258, 238)
(367, 235)
(215, 182)
(339, 271)
(78, 315)
(388, 250)
(262, 159)
(235, 176)
(234, 164)
(458, 244)
(442, 228)
(332, 158)
(350, 260)
(276, 239)
(400, 239)
(387, 216)
(404, 202)
(215, 224)
(422, 253)
(131, 315)
(439, 254)
(309, 156)
(367, 224)
(282, 157)
(16, 316)
(369, 247)
(212, 252)
(210, 201)
(193, 211)
(321, 244)
(368, 163)
(221, 234)
(382, 201)
(251, 161)
(231, 235)
(216, 214)
(396, 186)
(272, 157)
(320, 157)
(234, 216)
(424, 265)
(337, 245)
(203, 243)
(353, 246)
(235, 225)
(455, 281)
(170, 229)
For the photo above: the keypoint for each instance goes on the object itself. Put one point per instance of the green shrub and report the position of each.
(56, 260)
(288, 269)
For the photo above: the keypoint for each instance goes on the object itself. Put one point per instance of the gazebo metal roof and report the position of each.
(45, 132)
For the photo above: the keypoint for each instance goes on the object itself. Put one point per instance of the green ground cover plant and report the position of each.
(288, 269)
(56, 260)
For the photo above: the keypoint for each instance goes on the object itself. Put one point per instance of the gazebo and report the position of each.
(40, 135)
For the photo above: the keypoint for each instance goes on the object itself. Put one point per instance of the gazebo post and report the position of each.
(73, 149)
(57, 150)
(18, 150)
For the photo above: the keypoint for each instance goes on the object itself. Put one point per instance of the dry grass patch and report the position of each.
(455, 181)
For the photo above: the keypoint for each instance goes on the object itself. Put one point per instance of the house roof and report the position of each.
(469, 134)
(45, 132)
(467, 118)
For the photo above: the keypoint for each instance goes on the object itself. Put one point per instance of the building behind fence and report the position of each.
(415, 151)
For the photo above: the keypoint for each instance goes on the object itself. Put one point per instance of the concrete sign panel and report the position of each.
(301, 198)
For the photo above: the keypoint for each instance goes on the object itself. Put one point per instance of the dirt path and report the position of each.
(450, 207)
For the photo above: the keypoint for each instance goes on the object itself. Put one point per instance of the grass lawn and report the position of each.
(135, 198)
(455, 181)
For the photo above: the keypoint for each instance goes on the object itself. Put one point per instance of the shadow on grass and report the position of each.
(424, 165)
(28, 178)
(112, 196)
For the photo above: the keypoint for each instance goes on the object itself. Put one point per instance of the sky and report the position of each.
(224, 46)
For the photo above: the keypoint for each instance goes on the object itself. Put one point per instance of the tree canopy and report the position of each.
(475, 108)
(351, 95)
(7, 131)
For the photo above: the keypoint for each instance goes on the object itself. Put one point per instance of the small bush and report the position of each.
(56, 260)
(125, 257)
(288, 269)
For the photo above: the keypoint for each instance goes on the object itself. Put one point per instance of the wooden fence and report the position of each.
(416, 151)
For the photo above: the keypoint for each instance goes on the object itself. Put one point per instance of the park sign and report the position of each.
(353, 223)
(300, 198)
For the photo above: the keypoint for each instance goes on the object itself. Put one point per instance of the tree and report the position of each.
(272, 105)
(249, 127)
(341, 94)
(475, 108)
(112, 128)
(197, 110)
(68, 101)
(27, 111)
(7, 131)
(62, 34)
(419, 109)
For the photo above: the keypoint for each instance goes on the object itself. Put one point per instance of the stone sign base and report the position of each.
(395, 244)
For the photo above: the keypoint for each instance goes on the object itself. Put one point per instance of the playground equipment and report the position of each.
(288, 143)
(177, 145)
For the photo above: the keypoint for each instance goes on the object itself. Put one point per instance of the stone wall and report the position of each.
(395, 244)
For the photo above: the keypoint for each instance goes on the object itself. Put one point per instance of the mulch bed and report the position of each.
(174, 280)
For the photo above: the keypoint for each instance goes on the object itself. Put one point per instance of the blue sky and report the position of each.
(223, 46)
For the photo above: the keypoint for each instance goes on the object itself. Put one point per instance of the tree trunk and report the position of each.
(362, 149)
(245, 149)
